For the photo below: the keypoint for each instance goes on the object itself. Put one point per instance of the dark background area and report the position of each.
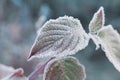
(18, 31)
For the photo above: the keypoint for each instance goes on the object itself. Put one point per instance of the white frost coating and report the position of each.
(60, 37)
(58, 59)
(97, 21)
(110, 41)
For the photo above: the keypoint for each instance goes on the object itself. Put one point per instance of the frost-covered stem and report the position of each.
(39, 70)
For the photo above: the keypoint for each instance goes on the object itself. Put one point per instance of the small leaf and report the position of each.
(110, 41)
(59, 37)
(9, 73)
(67, 68)
(97, 21)
(5, 70)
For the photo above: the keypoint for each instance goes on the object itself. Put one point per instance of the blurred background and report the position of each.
(20, 19)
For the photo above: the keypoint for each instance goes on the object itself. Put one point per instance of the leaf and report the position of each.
(97, 21)
(9, 73)
(110, 41)
(60, 37)
(5, 70)
(67, 68)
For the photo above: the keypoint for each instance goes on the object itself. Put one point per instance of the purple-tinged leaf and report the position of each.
(60, 37)
(67, 68)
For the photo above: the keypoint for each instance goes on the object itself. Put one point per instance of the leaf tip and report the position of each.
(101, 14)
(97, 21)
(30, 57)
(32, 52)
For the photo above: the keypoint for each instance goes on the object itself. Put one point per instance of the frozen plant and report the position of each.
(107, 37)
(58, 39)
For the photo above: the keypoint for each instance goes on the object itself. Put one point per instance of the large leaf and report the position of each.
(97, 21)
(110, 41)
(60, 37)
(67, 68)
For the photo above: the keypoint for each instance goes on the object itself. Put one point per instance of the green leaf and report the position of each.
(97, 21)
(110, 42)
(67, 68)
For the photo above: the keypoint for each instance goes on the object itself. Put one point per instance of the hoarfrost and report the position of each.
(60, 37)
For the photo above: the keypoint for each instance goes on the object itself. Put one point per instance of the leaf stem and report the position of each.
(39, 70)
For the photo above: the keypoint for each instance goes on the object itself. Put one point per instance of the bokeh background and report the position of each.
(20, 19)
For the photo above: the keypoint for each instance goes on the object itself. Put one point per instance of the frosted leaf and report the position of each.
(60, 37)
(67, 68)
(110, 41)
(97, 21)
